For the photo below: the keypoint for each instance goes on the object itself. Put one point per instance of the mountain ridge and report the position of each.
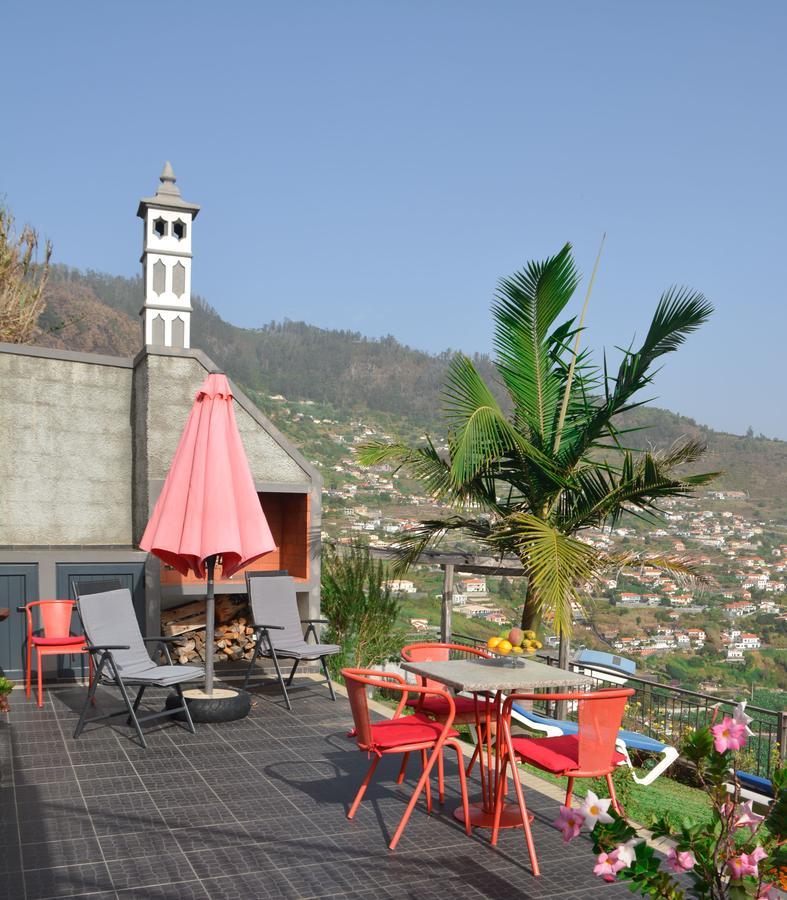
(98, 313)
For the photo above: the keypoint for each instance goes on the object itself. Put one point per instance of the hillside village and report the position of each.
(736, 608)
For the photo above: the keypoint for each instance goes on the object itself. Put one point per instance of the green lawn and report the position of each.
(642, 803)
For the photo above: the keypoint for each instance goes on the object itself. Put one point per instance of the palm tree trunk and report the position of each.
(531, 615)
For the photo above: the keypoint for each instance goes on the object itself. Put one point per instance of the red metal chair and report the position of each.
(434, 706)
(55, 638)
(590, 753)
(402, 734)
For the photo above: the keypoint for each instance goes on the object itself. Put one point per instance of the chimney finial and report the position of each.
(167, 174)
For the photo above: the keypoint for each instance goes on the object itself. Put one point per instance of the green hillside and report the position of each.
(351, 374)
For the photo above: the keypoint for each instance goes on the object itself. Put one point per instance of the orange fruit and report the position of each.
(504, 647)
(493, 642)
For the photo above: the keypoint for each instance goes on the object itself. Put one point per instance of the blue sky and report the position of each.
(379, 165)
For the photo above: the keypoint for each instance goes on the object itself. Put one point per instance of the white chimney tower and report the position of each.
(166, 264)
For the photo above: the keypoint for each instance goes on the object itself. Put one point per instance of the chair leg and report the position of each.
(520, 796)
(428, 783)
(328, 677)
(422, 782)
(89, 700)
(403, 769)
(462, 784)
(28, 679)
(90, 673)
(613, 795)
(131, 712)
(292, 674)
(40, 677)
(185, 707)
(440, 779)
(253, 660)
(137, 701)
(280, 677)
(569, 790)
(362, 789)
(499, 801)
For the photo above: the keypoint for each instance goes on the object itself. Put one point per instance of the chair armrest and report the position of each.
(96, 648)
(164, 639)
(314, 621)
(268, 627)
(21, 609)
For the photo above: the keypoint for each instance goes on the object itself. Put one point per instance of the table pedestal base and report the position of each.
(481, 817)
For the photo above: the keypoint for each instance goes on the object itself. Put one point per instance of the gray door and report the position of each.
(18, 585)
(130, 575)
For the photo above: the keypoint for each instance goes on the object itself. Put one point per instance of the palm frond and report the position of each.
(680, 312)
(557, 564)
(525, 308)
(482, 433)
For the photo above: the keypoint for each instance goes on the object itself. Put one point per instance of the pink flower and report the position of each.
(595, 810)
(740, 866)
(681, 861)
(747, 817)
(750, 860)
(740, 717)
(728, 735)
(608, 865)
(757, 854)
(570, 821)
(626, 852)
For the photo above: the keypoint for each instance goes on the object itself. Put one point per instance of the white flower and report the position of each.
(595, 810)
(739, 717)
(626, 852)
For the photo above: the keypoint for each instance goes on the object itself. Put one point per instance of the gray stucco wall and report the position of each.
(65, 451)
(172, 383)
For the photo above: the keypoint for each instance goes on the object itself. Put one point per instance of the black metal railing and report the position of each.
(668, 714)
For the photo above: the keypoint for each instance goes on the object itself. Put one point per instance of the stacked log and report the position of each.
(234, 636)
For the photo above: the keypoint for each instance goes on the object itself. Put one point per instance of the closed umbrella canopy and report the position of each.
(208, 506)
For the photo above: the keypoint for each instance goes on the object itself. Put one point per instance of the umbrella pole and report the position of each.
(210, 627)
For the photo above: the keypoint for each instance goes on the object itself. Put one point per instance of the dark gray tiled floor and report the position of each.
(251, 809)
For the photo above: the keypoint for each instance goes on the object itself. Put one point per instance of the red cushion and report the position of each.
(59, 642)
(407, 730)
(438, 706)
(554, 754)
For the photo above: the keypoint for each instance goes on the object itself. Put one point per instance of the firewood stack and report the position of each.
(234, 634)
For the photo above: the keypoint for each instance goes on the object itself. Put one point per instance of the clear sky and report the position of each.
(377, 165)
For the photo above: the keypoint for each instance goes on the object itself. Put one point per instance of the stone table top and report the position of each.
(496, 675)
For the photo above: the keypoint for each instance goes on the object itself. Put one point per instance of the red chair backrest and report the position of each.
(600, 719)
(358, 680)
(437, 652)
(55, 617)
(600, 715)
(356, 692)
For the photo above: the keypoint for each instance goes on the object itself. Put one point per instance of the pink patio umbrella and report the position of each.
(208, 506)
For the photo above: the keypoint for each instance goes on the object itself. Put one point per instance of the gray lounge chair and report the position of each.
(121, 657)
(274, 606)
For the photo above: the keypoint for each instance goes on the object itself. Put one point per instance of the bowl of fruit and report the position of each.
(514, 644)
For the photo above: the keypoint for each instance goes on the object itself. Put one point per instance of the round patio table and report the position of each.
(492, 678)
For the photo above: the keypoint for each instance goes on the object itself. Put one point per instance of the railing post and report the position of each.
(448, 603)
(783, 736)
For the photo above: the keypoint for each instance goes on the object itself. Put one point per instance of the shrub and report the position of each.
(360, 609)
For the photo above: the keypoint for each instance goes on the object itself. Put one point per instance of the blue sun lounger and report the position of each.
(625, 740)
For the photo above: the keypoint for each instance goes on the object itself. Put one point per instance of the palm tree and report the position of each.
(528, 476)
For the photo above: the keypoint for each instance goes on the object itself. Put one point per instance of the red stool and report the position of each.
(55, 638)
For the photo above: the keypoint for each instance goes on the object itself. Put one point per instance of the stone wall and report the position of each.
(65, 450)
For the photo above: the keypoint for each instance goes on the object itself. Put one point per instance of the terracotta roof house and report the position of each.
(88, 440)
